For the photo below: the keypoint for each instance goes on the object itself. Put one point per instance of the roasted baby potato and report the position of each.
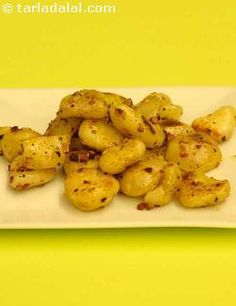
(116, 159)
(46, 152)
(3, 131)
(99, 135)
(157, 107)
(142, 177)
(90, 189)
(163, 193)
(198, 190)
(219, 125)
(193, 153)
(23, 177)
(88, 104)
(133, 125)
(29, 179)
(63, 126)
(12, 141)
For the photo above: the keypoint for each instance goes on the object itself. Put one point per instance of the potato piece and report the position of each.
(141, 177)
(175, 128)
(164, 192)
(21, 180)
(99, 135)
(131, 124)
(158, 107)
(219, 125)
(63, 126)
(88, 104)
(116, 159)
(46, 152)
(90, 189)
(23, 177)
(193, 153)
(3, 131)
(198, 190)
(11, 142)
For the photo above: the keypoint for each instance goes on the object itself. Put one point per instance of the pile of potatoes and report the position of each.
(105, 145)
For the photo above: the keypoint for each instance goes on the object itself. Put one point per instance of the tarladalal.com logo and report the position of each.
(57, 8)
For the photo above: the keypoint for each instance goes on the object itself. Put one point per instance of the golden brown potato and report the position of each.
(198, 190)
(193, 153)
(163, 193)
(99, 135)
(133, 125)
(23, 177)
(63, 126)
(12, 141)
(90, 189)
(46, 152)
(88, 104)
(116, 159)
(3, 131)
(21, 180)
(219, 125)
(157, 107)
(141, 177)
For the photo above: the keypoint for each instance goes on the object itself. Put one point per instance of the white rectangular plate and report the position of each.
(46, 207)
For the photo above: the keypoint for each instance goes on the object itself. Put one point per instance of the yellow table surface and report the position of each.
(146, 43)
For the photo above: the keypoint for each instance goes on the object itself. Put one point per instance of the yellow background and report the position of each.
(145, 43)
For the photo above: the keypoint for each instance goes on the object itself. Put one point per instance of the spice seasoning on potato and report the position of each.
(193, 153)
(21, 180)
(99, 134)
(219, 125)
(11, 143)
(46, 152)
(133, 125)
(63, 126)
(88, 104)
(142, 177)
(158, 107)
(116, 159)
(90, 189)
(163, 193)
(198, 190)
